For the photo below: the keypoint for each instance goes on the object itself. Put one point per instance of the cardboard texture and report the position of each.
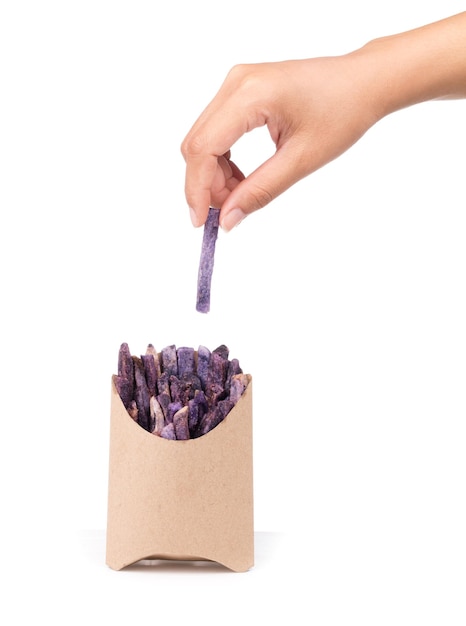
(181, 499)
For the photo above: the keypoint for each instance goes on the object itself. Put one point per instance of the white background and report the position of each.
(344, 299)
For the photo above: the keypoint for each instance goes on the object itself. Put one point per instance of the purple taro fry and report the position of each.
(163, 383)
(223, 351)
(164, 400)
(217, 370)
(169, 360)
(185, 358)
(215, 415)
(203, 358)
(180, 423)
(151, 350)
(133, 410)
(206, 264)
(157, 418)
(233, 369)
(192, 384)
(150, 371)
(124, 388)
(141, 394)
(203, 426)
(214, 393)
(238, 384)
(197, 409)
(182, 390)
(126, 365)
(216, 376)
(176, 389)
(223, 408)
(168, 431)
(172, 408)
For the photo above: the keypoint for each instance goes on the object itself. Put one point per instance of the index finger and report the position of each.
(202, 147)
(222, 123)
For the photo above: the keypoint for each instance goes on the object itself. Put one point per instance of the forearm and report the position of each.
(424, 64)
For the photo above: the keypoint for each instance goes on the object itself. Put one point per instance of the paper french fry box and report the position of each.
(183, 500)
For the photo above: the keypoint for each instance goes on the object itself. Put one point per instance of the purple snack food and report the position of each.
(164, 400)
(141, 394)
(238, 384)
(203, 358)
(150, 371)
(156, 415)
(184, 405)
(126, 367)
(172, 408)
(168, 432)
(151, 350)
(163, 383)
(170, 360)
(212, 418)
(133, 410)
(197, 409)
(125, 388)
(180, 423)
(185, 361)
(206, 264)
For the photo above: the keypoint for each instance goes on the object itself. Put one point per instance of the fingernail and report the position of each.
(232, 219)
(193, 215)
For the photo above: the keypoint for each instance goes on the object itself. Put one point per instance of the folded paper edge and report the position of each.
(167, 556)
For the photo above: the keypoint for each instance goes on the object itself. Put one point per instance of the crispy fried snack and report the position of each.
(206, 264)
(180, 393)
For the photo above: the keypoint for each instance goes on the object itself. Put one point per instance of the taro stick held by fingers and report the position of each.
(206, 264)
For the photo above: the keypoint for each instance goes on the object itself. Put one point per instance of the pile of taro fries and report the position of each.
(179, 393)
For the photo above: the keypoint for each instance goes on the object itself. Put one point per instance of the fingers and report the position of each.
(314, 110)
(265, 184)
(219, 183)
(206, 150)
(210, 175)
(247, 99)
(200, 174)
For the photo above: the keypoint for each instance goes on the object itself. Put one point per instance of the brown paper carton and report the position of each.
(181, 499)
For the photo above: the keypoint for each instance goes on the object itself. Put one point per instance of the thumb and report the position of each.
(268, 181)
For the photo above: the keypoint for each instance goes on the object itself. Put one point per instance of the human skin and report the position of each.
(315, 109)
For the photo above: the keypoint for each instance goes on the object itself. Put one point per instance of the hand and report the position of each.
(314, 110)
